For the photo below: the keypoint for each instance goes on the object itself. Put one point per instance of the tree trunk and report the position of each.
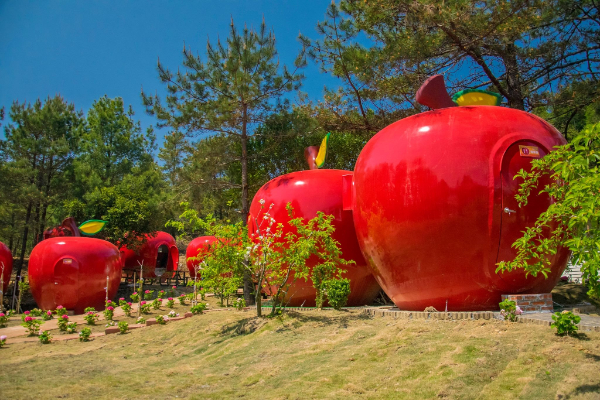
(23, 249)
(248, 285)
(513, 78)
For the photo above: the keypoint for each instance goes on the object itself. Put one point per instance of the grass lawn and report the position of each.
(312, 354)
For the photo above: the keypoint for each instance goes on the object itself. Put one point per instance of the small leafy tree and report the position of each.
(565, 323)
(573, 219)
(338, 291)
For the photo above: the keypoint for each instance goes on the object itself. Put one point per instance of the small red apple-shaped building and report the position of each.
(158, 253)
(198, 247)
(309, 192)
(73, 272)
(433, 200)
(6, 262)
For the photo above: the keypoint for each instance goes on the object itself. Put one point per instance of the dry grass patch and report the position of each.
(312, 354)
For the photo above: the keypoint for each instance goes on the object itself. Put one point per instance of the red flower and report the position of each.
(27, 319)
(110, 308)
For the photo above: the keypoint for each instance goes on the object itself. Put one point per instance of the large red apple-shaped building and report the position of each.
(434, 206)
(309, 192)
(72, 272)
(197, 248)
(158, 253)
(6, 262)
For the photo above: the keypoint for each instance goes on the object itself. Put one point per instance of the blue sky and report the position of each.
(86, 49)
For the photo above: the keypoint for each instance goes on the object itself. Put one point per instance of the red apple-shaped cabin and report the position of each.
(6, 262)
(434, 206)
(309, 192)
(198, 247)
(72, 272)
(158, 253)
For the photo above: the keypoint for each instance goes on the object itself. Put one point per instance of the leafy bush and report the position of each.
(126, 309)
(338, 291)
(239, 303)
(509, 310)
(88, 309)
(47, 315)
(109, 312)
(122, 301)
(162, 319)
(3, 319)
(172, 314)
(157, 303)
(32, 325)
(148, 294)
(135, 297)
(182, 299)
(63, 321)
(60, 310)
(141, 320)
(109, 303)
(123, 327)
(91, 317)
(45, 337)
(565, 323)
(170, 302)
(198, 308)
(36, 312)
(85, 334)
(145, 307)
(72, 327)
(161, 294)
(2, 340)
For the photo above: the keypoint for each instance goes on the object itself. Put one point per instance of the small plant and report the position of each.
(126, 309)
(88, 309)
(2, 340)
(47, 315)
(148, 294)
(565, 323)
(173, 314)
(198, 308)
(109, 303)
(239, 303)
(45, 337)
(36, 312)
(109, 312)
(141, 320)
(84, 335)
(156, 303)
(60, 310)
(63, 322)
(162, 319)
(509, 310)
(32, 325)
(135, 297)
(91, 317)
(25, 315)
(110, 323)
(145, 307)
(3, 319)
(161, 294)
(123, 327)
(203, 294)
(72, 327)
(122, 301)
(338, 291)
(182, 299)
(172, 291)
(170, 302)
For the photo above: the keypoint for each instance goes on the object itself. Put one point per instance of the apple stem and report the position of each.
(433, 93)
(310, 153)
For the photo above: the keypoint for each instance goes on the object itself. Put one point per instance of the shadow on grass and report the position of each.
(243, 327)
(340, 318)
(584, 389)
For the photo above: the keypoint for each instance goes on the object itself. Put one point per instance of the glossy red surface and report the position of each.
(7, 260)
(198, 246)
(157, 260)
(72, 271)
(309, 192)
(428, 198)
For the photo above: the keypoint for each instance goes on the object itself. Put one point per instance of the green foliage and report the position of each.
(573, 219)
(565, 323)
(170, 302)
(72, 327)
(161, 320)
(135, 297)
(108, 313)
(63, 322)
(32, 325)
(198, 308)
(91, 317)
(45, 337)
(84, 335)
(182, 298)
(337, 291)
(156, 303)
(239, 303)
(509, 310)
(123, 327)
(145, 307)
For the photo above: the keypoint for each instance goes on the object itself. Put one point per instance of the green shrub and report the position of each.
(85, 334)
(63, 322)
(565, 323)
(45, 337)
(239, 303)
(91, 317)
(338, 291)
(198, 308)
(509, 310)
(72, 327)
(123, 327)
